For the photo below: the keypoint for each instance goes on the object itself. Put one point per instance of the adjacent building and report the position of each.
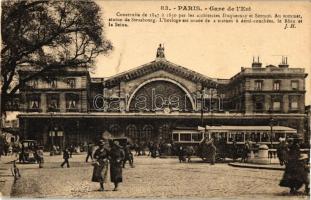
(148, 102)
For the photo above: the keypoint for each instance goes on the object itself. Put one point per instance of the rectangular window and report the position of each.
(185, 137)
(175, 137)
(276, 105)
(71, 82)
(72, 102)
(258, 85)
(265, 137)
(276, 85)
(33, 102)
(53, 102)
(294, 85)
(293, 102)
(196, 137)
(34, 83)
(53, 83)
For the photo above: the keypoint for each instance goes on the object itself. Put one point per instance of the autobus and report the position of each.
(239, 134)
(224, 136)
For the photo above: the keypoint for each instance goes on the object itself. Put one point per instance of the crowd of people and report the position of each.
(110, 155)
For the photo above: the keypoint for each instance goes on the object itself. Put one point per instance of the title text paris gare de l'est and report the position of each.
(210, 8)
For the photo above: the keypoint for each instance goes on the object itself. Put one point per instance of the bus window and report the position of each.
(239, 137)
(175, 137)
(185, 137)
(265, 137)
(253, 137)
(231, 136)
(223, 136)
(196, 137)
(213, 135)
(247, 136)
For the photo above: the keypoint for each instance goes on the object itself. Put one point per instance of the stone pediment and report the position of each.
(157, 65)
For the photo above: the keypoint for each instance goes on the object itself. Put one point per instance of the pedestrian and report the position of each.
(100, 163)
(234, 151)
(281, 151)
(40, 158)
(71, 150)
(296, 169)
(65, 157)
(128, 156)
(189, 153)
(150, 146)
(245, 151)
(181, 154)
(154, 150)
(212, 152)
(89, 150)
(116, 155)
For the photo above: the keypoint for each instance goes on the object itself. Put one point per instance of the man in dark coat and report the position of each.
(181, 154)
(128, 156)
(66, 158)
(116, 155)
(89, 152)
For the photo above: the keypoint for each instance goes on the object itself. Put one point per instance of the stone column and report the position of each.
(62, 102)
(43, 102)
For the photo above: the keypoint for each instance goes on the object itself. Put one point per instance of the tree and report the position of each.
(47, 36)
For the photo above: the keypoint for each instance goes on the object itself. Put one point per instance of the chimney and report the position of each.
(284, 63)
(256, 64)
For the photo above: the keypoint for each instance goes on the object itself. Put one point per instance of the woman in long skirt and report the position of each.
(116, 157)
(100, 170)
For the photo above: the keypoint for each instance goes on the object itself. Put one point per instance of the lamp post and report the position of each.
(272, 121)
(202, 104)
(51, 133)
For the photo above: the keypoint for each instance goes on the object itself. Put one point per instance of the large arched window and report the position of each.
(158, 95)
(165, 133)
(147, 132)
(131, 132)
(115, 130)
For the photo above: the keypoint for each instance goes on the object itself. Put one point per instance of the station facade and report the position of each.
(148, 102)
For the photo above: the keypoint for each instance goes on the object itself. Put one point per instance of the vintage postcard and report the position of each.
(155, 99)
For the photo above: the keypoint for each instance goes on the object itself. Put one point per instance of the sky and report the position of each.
(215, 50)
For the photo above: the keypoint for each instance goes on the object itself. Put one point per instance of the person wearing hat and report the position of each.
(116, 157)
(281, 151)
(100, 164)
(295, 174)
(66, 157)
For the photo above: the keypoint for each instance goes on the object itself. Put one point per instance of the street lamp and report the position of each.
(272, 121)
(51, 133)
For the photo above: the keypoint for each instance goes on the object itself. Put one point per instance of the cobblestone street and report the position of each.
(151, 178)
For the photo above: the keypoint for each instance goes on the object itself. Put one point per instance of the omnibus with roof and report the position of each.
(224, 136)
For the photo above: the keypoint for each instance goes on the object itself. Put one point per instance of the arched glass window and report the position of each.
(115, 130)
(131, 132)
(147, 132)
(165, 133)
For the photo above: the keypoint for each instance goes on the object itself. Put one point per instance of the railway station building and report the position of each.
(148, 102)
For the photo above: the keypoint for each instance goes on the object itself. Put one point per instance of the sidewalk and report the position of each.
(257, 166)
(6, 178)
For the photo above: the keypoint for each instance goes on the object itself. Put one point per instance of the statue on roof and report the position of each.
(160, 51)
